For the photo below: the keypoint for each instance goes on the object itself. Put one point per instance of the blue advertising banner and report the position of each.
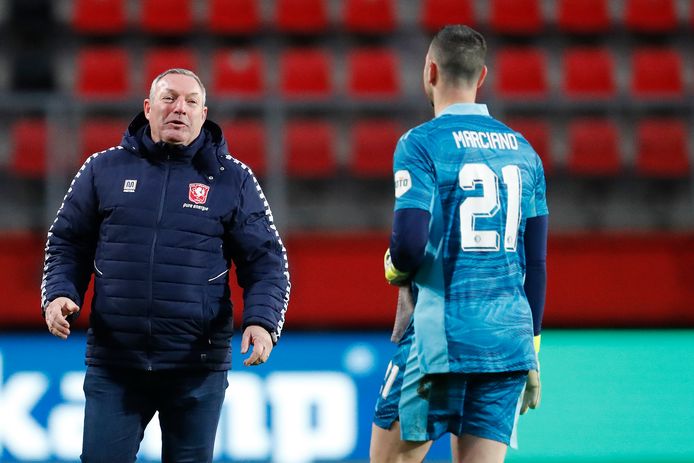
(312, 401)
(607, 396)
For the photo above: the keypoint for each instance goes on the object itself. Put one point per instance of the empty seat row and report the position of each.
(517, 72)
(590, 72)
(594, 146)
(309, 144)
(303, 72)
(373, 16)
(230, 16)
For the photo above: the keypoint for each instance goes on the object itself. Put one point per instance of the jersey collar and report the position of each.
(466, 109)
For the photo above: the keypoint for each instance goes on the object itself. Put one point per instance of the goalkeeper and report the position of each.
(469, 237)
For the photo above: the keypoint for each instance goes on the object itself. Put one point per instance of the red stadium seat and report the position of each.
(373, 143)
(99, 16)
(437, 13)
(373, 73)
(309, 148)
(662, 148)
(651, 16)
(306, 73)
(28, 152)
(234, 17)
(588, 73)
(516, 16)
(102, 72)
(100, 134)
(369, 16)
(237, 72)
(166, 16)
(537, 133)
(302, 16)
(246, 141)
(521, 73)
(583, 16)
(158, 60)
(657, 72)
(593, 148)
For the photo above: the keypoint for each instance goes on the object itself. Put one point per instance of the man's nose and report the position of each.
(180, 105)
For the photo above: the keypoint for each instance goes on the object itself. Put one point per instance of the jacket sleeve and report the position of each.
(261, 263)
(71, 242)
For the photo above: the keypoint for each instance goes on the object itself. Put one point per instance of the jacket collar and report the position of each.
(203, 153)
(466, 109)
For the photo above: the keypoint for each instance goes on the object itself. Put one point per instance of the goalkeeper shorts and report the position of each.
(428, 406)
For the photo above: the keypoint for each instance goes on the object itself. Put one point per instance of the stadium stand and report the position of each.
(583, 16)
(246, 141)
(521, 72)
(301, 16)
(538, 134)
(102, 72)
(588, 73)
(437, 13)
(233, 17)
(657, 72)
(169, 17)
(662, 148)
(518, 17)
(373, 73)
(650, 16)
(99, 134)
(158, 60)
(594, 148)
(28, 147)
(306, 73)
(372, 143)
(369, 16)
(238, 72)
(310, 148)
(99, 17)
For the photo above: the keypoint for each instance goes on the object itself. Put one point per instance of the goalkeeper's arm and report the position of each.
(407, 244)
(535, 239)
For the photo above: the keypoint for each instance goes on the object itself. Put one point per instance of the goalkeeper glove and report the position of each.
(393, 275)
(532, 393)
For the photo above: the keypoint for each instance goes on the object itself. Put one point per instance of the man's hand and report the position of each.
(393, 275)
(260, 339)
(531, 396)
(57, 310)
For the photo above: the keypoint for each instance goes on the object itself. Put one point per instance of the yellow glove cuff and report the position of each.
(536, 343)
(393, 275)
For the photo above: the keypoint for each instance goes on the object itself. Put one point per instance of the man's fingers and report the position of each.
(256, 357)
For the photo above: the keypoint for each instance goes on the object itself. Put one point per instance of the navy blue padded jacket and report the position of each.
(159, 227)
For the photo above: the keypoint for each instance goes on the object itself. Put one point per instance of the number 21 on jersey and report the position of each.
(480, 207)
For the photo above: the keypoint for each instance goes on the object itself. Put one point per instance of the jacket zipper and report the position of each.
(162, 199)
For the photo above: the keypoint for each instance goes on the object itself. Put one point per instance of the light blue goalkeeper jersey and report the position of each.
(481, 181)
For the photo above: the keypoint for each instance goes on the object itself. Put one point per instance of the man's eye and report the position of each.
(192, 102)
(168, 98)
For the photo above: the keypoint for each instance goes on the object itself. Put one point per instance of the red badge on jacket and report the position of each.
(197, 193)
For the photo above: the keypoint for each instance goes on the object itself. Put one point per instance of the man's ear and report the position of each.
(147, 107)
(432, 72)
(483, 75)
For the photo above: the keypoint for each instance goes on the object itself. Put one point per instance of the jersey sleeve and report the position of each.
(414, 175)
(538, 201)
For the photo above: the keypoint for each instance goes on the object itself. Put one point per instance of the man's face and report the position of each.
(175, 110)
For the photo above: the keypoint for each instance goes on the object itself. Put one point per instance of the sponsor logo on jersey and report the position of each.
(485, 140)
(129, 186)
(197, 193)
(403, 182)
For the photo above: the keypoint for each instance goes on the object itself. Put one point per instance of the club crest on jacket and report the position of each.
(197, 193)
